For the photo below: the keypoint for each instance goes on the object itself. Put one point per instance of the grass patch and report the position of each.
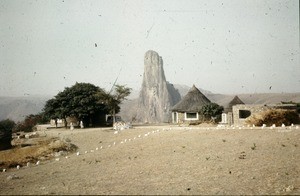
(43, 149)
(274, 116)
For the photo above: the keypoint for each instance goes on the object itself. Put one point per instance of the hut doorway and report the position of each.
(175, 117)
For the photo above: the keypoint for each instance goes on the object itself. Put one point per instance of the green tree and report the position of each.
(212, 111)
(114, 100)
(83, 101)
(6, 127)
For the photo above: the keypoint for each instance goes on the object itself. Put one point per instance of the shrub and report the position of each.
(29, 122)
(6, 127)
(274, 116)
(212, 112)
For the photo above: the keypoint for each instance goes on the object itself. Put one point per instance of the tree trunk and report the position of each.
(66, 123)
(114, 116)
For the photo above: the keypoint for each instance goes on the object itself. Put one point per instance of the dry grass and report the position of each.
(41, 148)
(274, 116)
(177, 160)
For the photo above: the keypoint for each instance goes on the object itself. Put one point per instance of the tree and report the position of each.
(114, 100)
(83, 101)
(6, 127)
(212, 111)
(29, 122)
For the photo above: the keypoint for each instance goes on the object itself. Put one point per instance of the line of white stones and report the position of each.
(157, 131)
(283, 126)
(140, 136)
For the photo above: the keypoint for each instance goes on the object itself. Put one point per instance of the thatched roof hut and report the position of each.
(235, 101)
(193, 101)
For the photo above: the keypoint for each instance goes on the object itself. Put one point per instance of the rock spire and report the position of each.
(157, 96)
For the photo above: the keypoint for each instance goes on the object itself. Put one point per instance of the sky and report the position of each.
(228, 47)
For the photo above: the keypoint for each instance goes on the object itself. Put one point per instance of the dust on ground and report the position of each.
(166, 160)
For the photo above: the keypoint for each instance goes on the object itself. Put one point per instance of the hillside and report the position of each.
(128, 107)
(16, 108)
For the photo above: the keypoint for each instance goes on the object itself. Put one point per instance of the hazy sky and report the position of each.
(229, 46)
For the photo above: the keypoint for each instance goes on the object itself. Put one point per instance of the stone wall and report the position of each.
(254, 109)
(182, 120)
(240, 112)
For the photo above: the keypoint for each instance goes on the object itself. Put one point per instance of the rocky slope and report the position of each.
(157, 96)
(17, 108)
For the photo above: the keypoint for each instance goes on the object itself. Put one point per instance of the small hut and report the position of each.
(227, 117)
(188, 109)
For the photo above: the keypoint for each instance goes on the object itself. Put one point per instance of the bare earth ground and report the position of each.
(168, 160)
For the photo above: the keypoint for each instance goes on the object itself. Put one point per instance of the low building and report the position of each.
(241, 112)
(227, 116)
(188, 109)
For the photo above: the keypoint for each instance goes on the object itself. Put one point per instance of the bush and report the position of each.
(212, 112)
(6, 127)
(29, 122)
(274, 116)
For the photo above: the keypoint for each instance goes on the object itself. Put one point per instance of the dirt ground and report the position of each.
(168, 160)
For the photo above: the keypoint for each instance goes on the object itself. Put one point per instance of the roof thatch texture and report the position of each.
(235, 101)
(193, 101)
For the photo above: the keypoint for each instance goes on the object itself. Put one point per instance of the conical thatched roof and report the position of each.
(193, 101)
(236, 100)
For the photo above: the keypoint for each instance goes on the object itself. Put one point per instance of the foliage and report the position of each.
(274, 116)
(83, 101)
(113, 101)
(29, 122)
(212, 111)
(7, 125)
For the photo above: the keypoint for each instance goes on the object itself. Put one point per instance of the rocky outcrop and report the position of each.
(157, 96)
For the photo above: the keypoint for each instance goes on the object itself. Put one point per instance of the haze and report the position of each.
(229, 46)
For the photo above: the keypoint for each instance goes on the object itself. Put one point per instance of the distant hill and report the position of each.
(17, 108)
(128, 107)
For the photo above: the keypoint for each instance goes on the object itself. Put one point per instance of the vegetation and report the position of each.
(86, 102)
(212, 111)
(29, 122)
(291, 102)
(274, 116)
(114, 100)
(45, 148)
(6, 127)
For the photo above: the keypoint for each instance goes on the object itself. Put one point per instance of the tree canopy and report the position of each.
(81, 101)
(85, 102)
(113, 100)
(212, 110)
